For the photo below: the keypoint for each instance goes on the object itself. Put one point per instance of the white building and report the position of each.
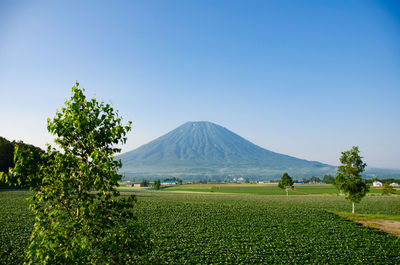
(377, 184)
(394, 184)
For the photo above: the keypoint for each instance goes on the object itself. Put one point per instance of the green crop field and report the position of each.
(263, 189)
(214, 228)
(259, 189)
(16, 223)
(200, 228)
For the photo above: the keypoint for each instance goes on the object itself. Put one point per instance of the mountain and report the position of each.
(204, 150)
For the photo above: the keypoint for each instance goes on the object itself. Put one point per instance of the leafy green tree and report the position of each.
(387, 189)
(157, 184)
(80, 217)
(348, 178)
(315, 180)
(6, 154)
(329, 179)
(145, 183)
(33, 153)
(286, 183)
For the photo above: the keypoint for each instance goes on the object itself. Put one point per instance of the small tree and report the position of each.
(79, 216)
(157, 184)
(7, 150)
(387, 189)
(348, 178)
(286, 183)
(315, 180)
(329, 179)
(145, 183)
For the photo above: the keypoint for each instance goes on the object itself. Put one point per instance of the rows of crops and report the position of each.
(208, 228)
(250, 229)
(16, 223)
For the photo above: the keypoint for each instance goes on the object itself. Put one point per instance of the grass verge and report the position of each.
(387, 223)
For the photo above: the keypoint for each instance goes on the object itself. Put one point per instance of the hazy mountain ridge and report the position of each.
(197, 149)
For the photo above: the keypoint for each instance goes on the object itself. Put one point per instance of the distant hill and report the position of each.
(204, 150)
(381, 173)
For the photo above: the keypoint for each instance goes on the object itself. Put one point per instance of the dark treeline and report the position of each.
(7, 158)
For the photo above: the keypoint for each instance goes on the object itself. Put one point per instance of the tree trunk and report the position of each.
(287, 193)
(354, 208)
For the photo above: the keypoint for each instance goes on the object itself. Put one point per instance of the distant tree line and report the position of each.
(145, 183)
(157, 184)
(7, 161)
(384, 181)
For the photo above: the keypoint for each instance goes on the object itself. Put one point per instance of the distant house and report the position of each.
(136, 184)
(377, 184)
(169, 183)
(394, 184)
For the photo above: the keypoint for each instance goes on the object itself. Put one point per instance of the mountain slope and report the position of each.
(207, 149)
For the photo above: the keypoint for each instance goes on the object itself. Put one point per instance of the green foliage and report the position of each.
(348, 179)
(145, 183)
(26, 172)
(315, 180)
(8, 152)
(79, 214)
(286, 183)
(157, 184)
(387, 189)
(329, 179)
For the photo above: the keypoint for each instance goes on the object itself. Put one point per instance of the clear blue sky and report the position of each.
(303, 78)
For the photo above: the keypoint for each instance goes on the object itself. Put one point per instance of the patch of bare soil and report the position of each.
(389, 226)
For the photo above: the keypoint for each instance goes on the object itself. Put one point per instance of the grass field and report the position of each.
(258, 189)
(237, 228)
(263, 189)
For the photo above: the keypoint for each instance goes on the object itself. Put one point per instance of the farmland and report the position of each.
(237, 228)
(16, 223)
(258, 189)
(264, 189)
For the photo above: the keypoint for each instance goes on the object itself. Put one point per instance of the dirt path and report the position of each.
(389, 226)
